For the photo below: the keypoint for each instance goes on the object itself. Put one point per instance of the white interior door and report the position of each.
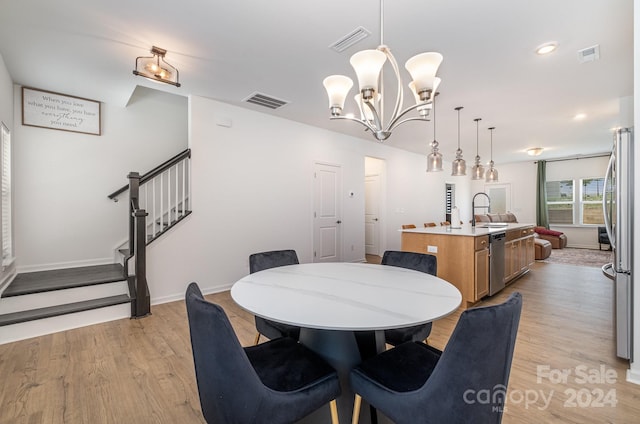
(372, 215)
(327, 222)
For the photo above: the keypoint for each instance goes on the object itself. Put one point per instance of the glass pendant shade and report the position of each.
(477, 172)
(459, 165)
(423, 68)
(492, 174)
(367, 64)
(434, 159)
(337, 87)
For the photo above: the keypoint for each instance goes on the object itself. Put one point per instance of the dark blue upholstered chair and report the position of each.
(265, 260)
(279, 381)
(418, 384)
(418, 262)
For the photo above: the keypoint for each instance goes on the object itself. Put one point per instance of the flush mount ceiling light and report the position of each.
(478, 170)
(156, 69)
(458, 166)
(492, 173)
(580, 116)
(534, 151)
(546, 48)
(368, 68)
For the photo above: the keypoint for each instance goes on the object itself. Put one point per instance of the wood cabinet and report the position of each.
(481, 282)
(519, 253)
(463, 256)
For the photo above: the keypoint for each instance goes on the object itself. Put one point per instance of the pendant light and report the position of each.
(478, 170)
(434, 160)
(492, 173)
(458, 166)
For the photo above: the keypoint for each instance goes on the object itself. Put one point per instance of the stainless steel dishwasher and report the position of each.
(496, 262)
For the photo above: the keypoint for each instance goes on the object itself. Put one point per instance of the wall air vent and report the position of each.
(589, 54)
(265, 100)
(350, 39)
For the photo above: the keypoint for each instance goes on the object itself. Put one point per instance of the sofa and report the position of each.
(496, 217)
(557, 238)
(542, 246)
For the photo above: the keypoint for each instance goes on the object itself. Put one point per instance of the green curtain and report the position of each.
(542, 214)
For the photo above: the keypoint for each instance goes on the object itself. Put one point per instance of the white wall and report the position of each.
(62, 179)
(6, 116)
(252, 191)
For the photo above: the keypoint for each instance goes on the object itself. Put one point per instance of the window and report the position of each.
(566, 208)
(560, 201)
(592, 190)
(5, 204)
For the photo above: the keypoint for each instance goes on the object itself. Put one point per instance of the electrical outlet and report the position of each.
(432, 249)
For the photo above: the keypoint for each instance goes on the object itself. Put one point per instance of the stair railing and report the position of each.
(158, 200)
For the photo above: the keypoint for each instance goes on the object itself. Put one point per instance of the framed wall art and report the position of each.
(46, 109)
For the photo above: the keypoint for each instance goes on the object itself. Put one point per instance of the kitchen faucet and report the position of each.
(474, 207)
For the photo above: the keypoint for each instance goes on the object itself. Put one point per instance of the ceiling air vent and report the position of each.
(589, 54)
(350, 39)
(265, 100)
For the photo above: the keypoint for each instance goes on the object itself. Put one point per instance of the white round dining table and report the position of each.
(335, 303)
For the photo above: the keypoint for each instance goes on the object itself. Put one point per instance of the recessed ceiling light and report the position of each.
(546, 48)
(580, 116)
(534, 151)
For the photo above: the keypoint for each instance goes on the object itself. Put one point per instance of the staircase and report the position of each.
(38, 303)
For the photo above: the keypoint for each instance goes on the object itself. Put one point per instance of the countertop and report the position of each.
(468, 230)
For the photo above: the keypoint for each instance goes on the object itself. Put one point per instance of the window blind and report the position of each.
(5, 186)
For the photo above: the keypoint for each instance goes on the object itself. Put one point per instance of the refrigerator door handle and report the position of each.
(607, 218)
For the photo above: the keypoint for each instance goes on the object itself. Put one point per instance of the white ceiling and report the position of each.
(226, 50)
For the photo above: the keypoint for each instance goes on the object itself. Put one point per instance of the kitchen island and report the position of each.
(463, 254)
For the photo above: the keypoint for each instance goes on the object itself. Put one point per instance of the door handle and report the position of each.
(375, 219)
(338, 222)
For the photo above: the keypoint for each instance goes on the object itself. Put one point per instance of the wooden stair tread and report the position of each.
(69, 308)
(44, 281)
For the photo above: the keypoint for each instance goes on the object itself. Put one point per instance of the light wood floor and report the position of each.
(141, 371)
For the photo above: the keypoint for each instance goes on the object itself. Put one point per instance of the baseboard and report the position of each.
(63, 265)
(584, 246)
(180, 296)
(633, 375)
(7, 279)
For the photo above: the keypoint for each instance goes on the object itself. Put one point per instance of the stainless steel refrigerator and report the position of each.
(618, 216)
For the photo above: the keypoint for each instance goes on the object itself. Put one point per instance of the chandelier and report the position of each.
(367, 65)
